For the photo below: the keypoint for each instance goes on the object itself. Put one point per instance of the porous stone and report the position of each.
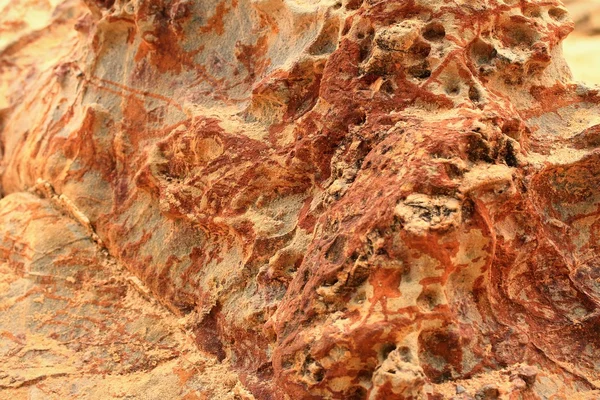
(296, 199)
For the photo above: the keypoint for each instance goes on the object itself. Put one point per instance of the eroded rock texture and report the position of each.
(302, 199)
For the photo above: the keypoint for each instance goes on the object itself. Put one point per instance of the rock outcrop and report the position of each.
(301, 199)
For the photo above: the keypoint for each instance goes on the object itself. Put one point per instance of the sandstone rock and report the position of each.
(293, 199)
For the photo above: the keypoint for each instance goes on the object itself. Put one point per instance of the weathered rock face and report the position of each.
(345, 200)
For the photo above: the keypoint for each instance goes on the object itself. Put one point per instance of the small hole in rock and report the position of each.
(337, 6)
(358, 393)
(361, 119)
(386, 87)
(519, 34)
(330, 281)
(453, 171)
(453, 89)
(319, 375)
(511, 157)
(365, 375)
(353, 4)
(106, 3)
(434, 31)
(405, 354)
(265, 371)
(386, 349)
(305, 276)
(512, 128)
(419, 71)
(428, 299)
(482, 52)
(557, 14)
(360, 297)
(381, 252)
(421, 49)
(365, 50)
(533, 12)
(474, 94)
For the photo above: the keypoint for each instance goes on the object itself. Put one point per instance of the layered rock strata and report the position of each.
(294, 199)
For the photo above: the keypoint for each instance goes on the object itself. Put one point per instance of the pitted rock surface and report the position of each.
(296, 199)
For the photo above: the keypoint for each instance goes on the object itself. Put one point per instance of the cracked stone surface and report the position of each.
(296, 199)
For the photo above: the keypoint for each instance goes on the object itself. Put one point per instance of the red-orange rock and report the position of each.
(340, 200)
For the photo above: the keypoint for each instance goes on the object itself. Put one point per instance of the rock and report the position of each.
(488, 392)
(74, 325)
(519, 383)
(296, 199)
(527, 373)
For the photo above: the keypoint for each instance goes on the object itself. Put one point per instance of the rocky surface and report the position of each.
(296, 199)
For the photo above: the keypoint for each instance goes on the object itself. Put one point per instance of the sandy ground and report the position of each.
(582, 47)
(583, 55)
